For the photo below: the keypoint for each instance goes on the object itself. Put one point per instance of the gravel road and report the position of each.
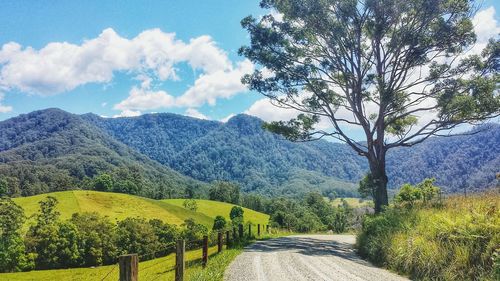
(305, 257)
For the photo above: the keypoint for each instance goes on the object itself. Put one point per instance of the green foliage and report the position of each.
(13, 256)
(136, 235)
(456, 241)
(167, 234)
(224, 192)
(219, 223)
(193, 232)
(3, 186)
(236, 215)
(97, 239)
(190, 204)
(52, 150)
(103, 182)
(367, 186)
(424, 192)
(239, 151)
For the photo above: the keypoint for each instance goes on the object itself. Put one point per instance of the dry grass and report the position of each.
(457, 240)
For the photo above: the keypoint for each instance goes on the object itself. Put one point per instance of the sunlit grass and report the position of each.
(214, 208)
(453, 241)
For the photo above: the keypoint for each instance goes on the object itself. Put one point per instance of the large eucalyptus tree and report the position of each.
(399, 70)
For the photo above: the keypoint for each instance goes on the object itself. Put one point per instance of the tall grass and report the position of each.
(456, 240)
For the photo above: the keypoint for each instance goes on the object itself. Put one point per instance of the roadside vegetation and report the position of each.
(49, 240)
(428, 238)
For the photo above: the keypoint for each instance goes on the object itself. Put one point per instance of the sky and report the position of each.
(126, 58)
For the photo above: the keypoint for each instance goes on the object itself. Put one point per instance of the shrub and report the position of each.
(458, 241)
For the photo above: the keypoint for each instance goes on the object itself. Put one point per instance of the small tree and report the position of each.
(190, 204)
(224, 192)
(219, 223)
(396, 70)
(12, 251)
(103, 182)
(54, 243)
(236, 215)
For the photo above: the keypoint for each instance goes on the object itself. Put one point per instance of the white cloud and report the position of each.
(485, 24)
(225, 119)
(145, 99)
(127, 113)
(4, 108)
(218, 84)
(152, 56)
(195, 113)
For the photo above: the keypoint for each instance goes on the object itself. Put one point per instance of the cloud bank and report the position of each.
(153, 55)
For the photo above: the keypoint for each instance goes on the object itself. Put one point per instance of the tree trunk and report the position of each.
(379, 176)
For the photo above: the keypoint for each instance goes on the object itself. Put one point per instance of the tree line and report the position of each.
(86, 239)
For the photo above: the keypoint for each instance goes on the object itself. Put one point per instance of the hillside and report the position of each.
(162, 155)
(119, 206)
(214, 208)
(52, 150)
(240, 150)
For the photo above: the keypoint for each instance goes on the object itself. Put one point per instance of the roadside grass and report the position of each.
(214, 208)
(156, 269)
(458, 240)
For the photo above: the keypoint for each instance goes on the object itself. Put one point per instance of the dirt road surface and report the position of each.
(305, 257)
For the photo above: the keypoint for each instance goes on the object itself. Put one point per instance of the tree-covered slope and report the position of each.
(239, 150)
(52, 150)
(470, 161)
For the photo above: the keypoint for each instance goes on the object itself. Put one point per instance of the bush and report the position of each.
(456, 241)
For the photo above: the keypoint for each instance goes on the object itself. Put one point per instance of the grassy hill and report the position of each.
(118, 206)
(214, 208)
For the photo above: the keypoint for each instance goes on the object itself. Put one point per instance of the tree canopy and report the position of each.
(397, 70)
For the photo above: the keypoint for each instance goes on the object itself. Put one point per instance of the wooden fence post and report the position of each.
(228, 241)
(219, 242)
(267, 228)
(240, 231)
(205, 251)
(249, 230)
(258, 229)
(128, 267)
(179, 260)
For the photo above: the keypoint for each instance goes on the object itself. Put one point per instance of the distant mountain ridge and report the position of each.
(240, 150)
(51, 149)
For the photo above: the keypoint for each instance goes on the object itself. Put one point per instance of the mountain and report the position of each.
(52, 150)
(166, 155)
(470, 161)
(239, 150)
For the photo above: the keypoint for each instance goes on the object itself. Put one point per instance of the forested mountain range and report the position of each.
(164, 155)
(52, 150)
(240, 150)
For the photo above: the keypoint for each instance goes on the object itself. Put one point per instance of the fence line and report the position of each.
(129, 268)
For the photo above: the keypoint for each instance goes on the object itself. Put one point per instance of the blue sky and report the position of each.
(55, 57)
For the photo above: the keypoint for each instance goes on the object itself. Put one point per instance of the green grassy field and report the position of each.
(116, 206)
(214, 208)
(353, 202)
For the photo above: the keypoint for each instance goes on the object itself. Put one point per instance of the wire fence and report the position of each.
(172, 259)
